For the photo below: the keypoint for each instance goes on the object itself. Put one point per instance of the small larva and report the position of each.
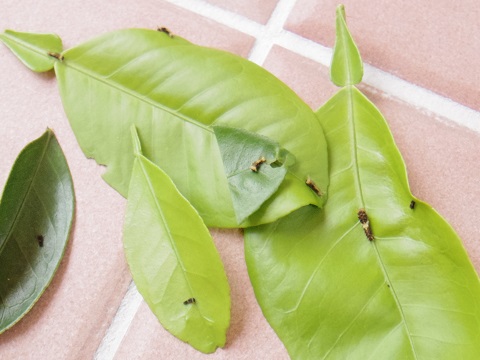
(363, 217)
(412, 205)
(189, 301)
(165, 30)
(313, 186)
(56, 55)
(257, 164)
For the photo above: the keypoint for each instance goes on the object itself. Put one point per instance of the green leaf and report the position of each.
(330, 292)
(39, 52)
(347, 66)
(36, 214)
(255, 167)
(173, 91)
(173, 260)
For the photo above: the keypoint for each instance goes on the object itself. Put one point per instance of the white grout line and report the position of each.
(120, 324)
(410, 93)
(274, 28)
(270, 34)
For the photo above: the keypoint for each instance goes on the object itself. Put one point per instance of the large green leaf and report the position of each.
(174, 91)
(329, 292)
(36, 213)
(376, 274)
(173, 260)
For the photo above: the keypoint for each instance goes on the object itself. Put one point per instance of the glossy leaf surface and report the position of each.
(174, 91)
(255, 167)
(36, 213)
(33, 49)
(329, 292)
(347, 65)
(173, 260)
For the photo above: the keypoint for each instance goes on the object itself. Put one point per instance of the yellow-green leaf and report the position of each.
(347, 66)
(173, 259)
(376, 274)
(39, 52)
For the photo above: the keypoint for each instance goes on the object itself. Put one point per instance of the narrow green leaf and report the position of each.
(173, 260)
(173, 91)
(347, 66)
(36, 214)
(255, 167)
(36, 51)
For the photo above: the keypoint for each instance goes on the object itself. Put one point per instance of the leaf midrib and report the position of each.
(27, 193)
(170, 237)
(26, 45)
(125, 90)
(354, 154)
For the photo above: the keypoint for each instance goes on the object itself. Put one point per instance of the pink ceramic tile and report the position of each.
(311, 85)
(441, 158)
(259, 11)
(435, 44)
(249, 336)
(77, 21)
(70, 319)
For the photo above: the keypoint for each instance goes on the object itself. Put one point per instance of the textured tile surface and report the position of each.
(259, 11)
(432, 44)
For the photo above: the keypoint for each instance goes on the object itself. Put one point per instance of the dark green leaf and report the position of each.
(174, 91)
(173, 260)
(36, 213)
(36, 51)
(255, 167)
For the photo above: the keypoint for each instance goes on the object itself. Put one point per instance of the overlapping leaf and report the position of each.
(174, 91)
(36, 213)
(396, 284)
(173, 260)
(255, 167)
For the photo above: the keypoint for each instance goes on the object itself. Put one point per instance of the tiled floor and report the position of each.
(432, 44)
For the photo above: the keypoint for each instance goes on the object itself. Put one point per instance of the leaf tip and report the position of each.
(137, 146)
(347, 66)
(38, 52)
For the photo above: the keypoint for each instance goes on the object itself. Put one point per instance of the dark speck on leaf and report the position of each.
(412, 205)
(40, 240)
